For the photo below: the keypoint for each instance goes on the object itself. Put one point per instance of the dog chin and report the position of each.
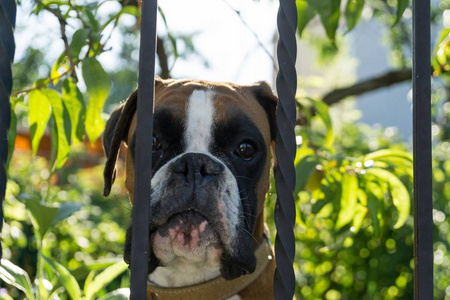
(188, 237)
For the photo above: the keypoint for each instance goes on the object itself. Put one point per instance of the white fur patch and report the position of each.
(199, 121)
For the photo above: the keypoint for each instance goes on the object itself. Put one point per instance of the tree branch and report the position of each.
(162, 57)
(385, 80)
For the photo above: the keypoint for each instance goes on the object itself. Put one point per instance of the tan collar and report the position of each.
(215, 289)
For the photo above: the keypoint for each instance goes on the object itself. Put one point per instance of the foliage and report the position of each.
(353, 189)
(353, 209)
(86, 240)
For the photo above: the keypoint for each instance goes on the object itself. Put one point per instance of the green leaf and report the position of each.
(12, 133)
(401, 7)
(97, 84)
(385, 154)
(305, 14)
(63, 126)
(329, 12)
(373, 189)
(399, 193)
(17, 277)
(66, 209)
(41, 215)
(131, 10)
(323, 113)
(66, 279)
(88, 280)
(105, 277)
(54, 73)
(353, 11)
(305, 165)
(348, 200)
(73, 101)
(358, 218)
(102, 263)
(119, 294)
(79, 39)
(92, 20)
(39, 111)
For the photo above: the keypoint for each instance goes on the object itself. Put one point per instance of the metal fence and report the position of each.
(284, 281)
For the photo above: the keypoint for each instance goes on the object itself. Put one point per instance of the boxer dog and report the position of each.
(210, 175)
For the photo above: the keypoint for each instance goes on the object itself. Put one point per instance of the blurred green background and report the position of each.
(63, 240)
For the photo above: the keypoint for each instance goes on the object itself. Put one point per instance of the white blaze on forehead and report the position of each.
(199, 121)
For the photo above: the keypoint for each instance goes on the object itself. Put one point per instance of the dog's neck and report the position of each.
(182, 272)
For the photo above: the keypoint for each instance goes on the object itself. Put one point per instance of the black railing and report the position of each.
(7, 48)
(284, 281)
(286, 86)
(423, 200)
(143, 171)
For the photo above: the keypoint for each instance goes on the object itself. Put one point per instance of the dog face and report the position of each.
(210, 171)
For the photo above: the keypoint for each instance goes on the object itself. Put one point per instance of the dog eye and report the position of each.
(155, 145)
(246, 150)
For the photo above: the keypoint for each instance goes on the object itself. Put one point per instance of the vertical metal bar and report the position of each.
(143, 165)
(284, 281)
(423, 201)
(7, 49)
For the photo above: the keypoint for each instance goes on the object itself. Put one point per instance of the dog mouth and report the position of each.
(188, 227)
(188, 235)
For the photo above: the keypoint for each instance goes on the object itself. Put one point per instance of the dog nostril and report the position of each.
(203, 170)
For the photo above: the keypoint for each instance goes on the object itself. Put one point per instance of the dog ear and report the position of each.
(116, 131)
(263, 93)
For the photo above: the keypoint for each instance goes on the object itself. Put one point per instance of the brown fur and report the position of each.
(174, 93)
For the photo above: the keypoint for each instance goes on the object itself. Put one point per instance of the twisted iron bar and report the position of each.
(143, 171)
(286, 83)
(7, 48)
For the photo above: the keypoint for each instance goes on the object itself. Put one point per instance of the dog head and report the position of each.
(210, 170)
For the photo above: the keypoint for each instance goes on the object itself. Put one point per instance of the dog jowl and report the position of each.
(210, 174)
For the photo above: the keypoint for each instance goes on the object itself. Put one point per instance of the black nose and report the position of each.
(197, 168)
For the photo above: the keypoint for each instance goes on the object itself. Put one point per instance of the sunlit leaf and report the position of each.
(39, 111)
(97, 84)
(73, 101)
(329, 12)
(387, 153)
(353, 11)
(60, 62)
(400, 195)
(104, 278)
(119, 294)
(17, 277)
(348, 200)
(102, 263)
(131, 10)
(305, 14)
(41, 215)
(79, 39)
(373, 189)
(12, 132)
(358, 218)
(322, 111)
(63, 126)
(64, 276)
(65, 210)
(91, 19)
(314, 181)
(402, 5)
(88, 280)
(304, 168)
